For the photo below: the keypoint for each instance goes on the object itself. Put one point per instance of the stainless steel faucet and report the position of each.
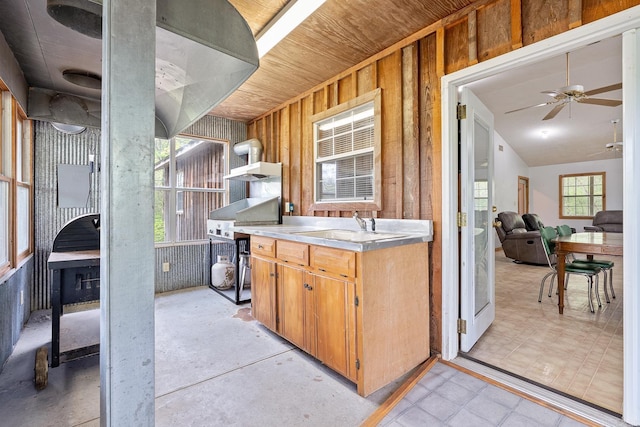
(361, 222)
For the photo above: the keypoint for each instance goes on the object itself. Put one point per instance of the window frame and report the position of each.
(375, 204)
(171, 212)
(561, 196)
(15, 147)
(24, 179)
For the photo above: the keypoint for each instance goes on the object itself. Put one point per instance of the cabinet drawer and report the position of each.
(296, 253)
(264, 246)
(332, 260)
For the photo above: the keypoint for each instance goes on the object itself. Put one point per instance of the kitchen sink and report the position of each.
(349, 235)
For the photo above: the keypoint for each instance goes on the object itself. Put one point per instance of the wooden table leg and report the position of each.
(560, 270)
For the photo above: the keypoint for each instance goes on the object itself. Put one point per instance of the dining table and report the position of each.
(589, 243)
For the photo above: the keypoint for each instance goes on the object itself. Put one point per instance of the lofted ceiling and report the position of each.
(339, 35)
(579, 132)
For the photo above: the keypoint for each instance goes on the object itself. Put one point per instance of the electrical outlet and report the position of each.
(165, 267)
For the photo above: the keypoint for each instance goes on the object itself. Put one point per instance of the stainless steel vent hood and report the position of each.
(204, 51)
(255, 169)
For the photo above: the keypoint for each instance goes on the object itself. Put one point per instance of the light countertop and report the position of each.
(389, 232)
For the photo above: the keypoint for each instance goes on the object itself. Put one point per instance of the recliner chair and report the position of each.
(517, 242)
(609, 221)
(532, 222)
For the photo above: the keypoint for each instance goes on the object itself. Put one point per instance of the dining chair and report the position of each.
(547, 234)
(605, 265)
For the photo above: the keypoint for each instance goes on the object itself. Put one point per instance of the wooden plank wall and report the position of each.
(409, 75)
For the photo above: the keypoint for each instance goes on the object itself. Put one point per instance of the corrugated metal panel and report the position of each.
(13, 314)
(188, 267)
(53, 148)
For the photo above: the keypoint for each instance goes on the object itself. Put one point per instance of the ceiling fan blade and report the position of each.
(552, 93)
(603, 89)
(531, 106)
(598, 101)
(554, 112)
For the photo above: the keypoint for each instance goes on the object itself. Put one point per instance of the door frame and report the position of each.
(619, 23)
(526, 195)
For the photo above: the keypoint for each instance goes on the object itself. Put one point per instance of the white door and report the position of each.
(477, 263)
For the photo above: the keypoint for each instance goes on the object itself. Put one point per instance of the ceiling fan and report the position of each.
(615, 146)
(574, 93)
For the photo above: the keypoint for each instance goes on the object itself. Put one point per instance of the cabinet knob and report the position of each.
(307, 286)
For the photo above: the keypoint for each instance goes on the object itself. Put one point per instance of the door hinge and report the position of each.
(462, 326)
(357, 301)
(461, 112)
(461, 219)
(357, 363)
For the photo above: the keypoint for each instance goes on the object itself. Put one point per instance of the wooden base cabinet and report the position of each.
(363, 314)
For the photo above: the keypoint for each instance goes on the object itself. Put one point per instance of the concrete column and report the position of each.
(127, 250)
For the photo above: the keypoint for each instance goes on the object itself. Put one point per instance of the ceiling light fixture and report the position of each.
(83, 16)
(284, 22)
(68, 129)
(83, 78)
(545, 134)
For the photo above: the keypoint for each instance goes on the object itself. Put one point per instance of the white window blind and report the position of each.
(345, 145)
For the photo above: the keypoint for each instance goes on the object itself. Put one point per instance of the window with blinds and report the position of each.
(345, 149)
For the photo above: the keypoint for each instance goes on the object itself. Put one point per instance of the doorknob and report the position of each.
(494, 209)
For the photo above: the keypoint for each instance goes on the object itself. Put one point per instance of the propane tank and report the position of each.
(223, 273)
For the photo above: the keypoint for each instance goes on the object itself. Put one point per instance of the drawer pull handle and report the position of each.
(322, 269)
(307, 286)
(344, 275)
(260, 247)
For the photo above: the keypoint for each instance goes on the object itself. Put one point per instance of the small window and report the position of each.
(582, 195)
(346, 150)
(481, 195)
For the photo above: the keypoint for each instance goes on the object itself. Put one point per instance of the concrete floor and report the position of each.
(216, 366)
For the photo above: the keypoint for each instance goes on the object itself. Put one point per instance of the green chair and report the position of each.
(605, 265)
(547, 234)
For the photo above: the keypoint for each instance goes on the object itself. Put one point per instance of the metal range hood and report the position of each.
(204, 51)
(255, 169)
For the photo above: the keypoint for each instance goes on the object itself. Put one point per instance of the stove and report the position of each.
(250, 211)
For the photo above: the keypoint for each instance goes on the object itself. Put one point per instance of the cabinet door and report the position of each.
(263, 292)
(292, 294)
(335, 324)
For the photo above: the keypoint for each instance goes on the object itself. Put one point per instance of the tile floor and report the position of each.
(579, 352)
(446, 396)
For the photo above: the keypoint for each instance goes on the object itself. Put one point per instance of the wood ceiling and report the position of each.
(339, 35)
